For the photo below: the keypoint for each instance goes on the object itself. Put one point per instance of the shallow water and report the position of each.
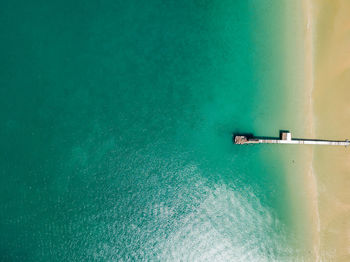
(117, 126)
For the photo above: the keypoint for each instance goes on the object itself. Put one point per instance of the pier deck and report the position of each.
(286, 138)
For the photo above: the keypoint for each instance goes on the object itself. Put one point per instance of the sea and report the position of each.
(116, 125)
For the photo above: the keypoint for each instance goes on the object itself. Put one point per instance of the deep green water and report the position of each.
(116, 127)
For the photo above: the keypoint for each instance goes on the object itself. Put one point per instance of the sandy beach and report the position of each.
(327, 69)
(319, 44)
(332, 119)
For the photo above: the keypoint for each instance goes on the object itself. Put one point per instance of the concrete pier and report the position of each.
(286, 138)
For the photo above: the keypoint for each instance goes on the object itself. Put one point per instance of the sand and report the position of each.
(328, 74)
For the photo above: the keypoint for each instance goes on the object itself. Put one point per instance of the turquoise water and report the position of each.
(116, 127)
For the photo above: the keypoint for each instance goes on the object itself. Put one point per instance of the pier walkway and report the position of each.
(286, 138)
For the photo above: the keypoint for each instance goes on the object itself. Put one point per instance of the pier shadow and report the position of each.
(283, 131)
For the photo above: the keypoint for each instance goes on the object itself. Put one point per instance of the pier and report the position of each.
(286, 138)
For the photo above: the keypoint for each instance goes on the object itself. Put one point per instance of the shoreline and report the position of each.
(311, 179)
(301, 178)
